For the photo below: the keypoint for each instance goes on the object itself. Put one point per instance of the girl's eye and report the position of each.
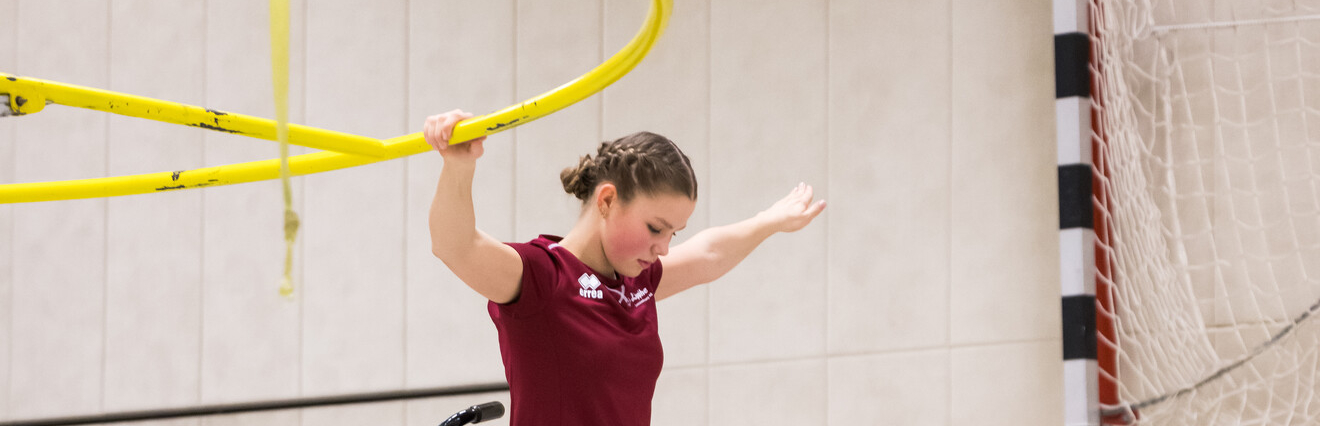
(653, 229)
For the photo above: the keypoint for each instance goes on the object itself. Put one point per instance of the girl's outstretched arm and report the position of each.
(485, 264)
(715, 251)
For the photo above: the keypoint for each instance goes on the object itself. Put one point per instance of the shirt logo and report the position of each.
(634, 300)
(590, 287)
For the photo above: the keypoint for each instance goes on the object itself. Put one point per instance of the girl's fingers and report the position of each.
(438, 129)
(444, 128)
(815, 209)
(428, 130)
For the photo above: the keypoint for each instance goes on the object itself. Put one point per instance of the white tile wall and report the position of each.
(773, 305)
(251, 340)
(557, 41)
(927, 288)
(383, 414)
(450, 336)
(259, 418)
(353, 311)
(989, 384)
(776, 393)
(59, 248)
(682, 397)
(1004, 212)
(152, 355)
(167, 422)
(908, 388)
(889, 162)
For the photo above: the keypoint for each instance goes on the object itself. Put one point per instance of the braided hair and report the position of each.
(642, 161)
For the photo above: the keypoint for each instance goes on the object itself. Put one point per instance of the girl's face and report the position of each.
(636, 233)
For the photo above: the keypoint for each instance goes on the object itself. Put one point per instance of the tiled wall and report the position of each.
(926, 294)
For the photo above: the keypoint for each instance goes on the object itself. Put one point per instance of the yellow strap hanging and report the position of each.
(279, 66)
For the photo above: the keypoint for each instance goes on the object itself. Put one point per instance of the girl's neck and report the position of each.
(584, 242)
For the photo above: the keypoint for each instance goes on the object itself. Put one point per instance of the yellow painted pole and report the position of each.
(572, 92)
(30, 95)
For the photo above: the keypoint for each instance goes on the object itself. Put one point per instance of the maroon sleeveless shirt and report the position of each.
(579, 348)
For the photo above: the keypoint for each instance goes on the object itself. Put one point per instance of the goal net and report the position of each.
(1207, 156)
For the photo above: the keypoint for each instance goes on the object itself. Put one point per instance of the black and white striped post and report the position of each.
(1072, 108)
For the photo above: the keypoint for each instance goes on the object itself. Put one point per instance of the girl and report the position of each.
(576, 315)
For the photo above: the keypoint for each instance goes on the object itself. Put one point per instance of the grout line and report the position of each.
(513, 156)
(948, 249)
(863, 354)
(710, 213)
(403, 231)
(407, 107)
(201, 200)
(828, 99)
(825, 337)
(709, 152)
(8, 391)
(299, 281)
(600, 53)
(105, 208)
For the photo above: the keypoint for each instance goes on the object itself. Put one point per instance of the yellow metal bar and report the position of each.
(30, 95)
(588, 84)
(580, 88)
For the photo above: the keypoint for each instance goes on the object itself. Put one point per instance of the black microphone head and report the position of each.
(488, 411)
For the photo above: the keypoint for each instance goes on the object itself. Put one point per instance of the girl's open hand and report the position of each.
(794, 211)
(440, 127)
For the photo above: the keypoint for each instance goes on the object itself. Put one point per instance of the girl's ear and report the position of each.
(607, 196)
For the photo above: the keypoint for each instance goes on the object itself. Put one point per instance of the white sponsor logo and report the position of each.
(590, 287)
(633, 300)
(640, 296)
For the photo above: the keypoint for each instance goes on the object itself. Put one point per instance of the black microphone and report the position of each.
(476, 414)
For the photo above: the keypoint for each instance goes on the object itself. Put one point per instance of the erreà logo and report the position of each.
(590, 285)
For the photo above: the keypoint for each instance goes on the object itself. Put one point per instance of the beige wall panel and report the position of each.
(668, 93)
(768, 93)
(773, 393)
(153, 262)
(681, 397)
(435, 410)
(250, 335)
(557, 41)
(1004, 248)
(466, 63)
(59, 247)
(186, 421)
(907, 388)
(8, 61)
(353, 289)
(889, 158)
(259, 418)
(383, 414)
(1007, 384)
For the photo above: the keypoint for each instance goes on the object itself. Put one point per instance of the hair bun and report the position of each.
(581, 180)
(642, 162)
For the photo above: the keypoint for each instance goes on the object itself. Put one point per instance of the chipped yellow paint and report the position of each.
(580, 88)
(177, 113)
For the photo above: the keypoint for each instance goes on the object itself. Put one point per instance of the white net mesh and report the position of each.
(1210, 124)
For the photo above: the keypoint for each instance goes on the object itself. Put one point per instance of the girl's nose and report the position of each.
(661, 248)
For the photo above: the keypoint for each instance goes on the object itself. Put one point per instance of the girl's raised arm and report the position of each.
(715, 251)
(484, 263)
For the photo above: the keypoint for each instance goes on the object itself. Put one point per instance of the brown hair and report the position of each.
(642, 161)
